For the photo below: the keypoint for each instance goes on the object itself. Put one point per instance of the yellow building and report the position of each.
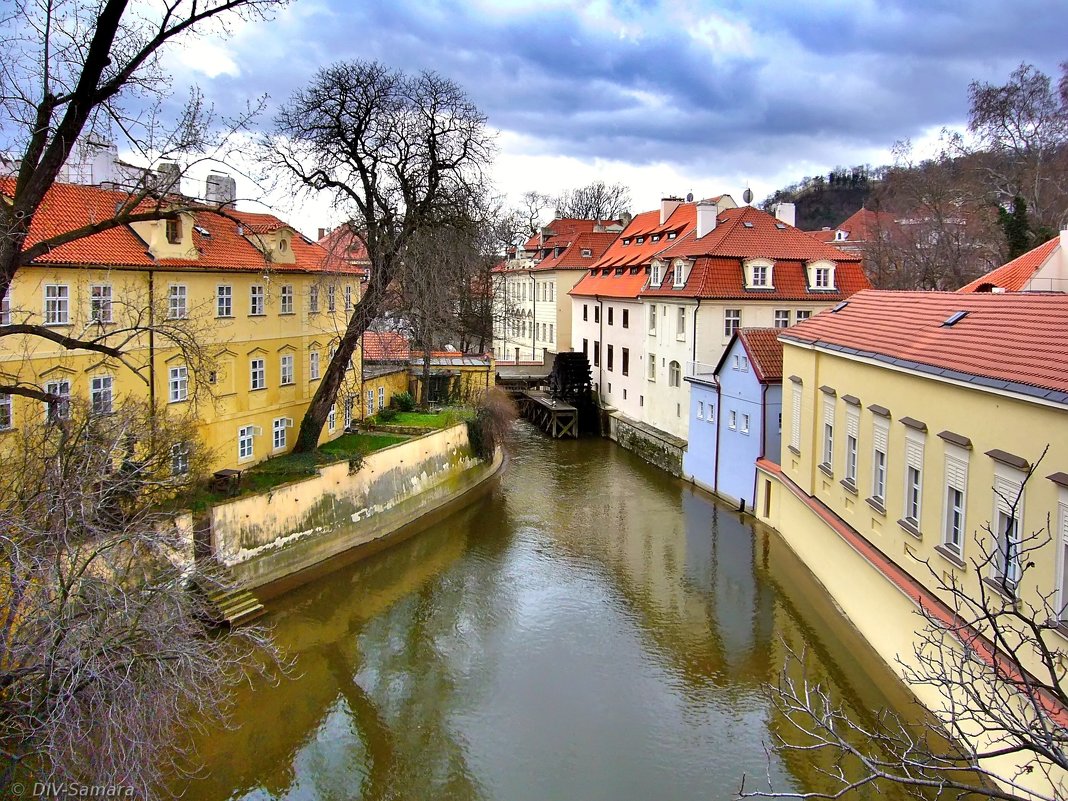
(229, 319)
(911, 424)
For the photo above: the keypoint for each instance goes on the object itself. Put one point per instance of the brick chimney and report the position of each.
(323, 232)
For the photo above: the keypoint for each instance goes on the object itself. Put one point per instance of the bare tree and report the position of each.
(994, 656)
(595, 201)
(401, 153)
(105, 662)
(88, 69)
(1021, 129)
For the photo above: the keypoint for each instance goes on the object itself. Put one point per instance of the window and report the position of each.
(609, 354)
(6, 415)
(585, 347)
(597, 314)
(370, 401)
(587, 253)
(803, 314)
(176, 301)
(913, 477)
(782, 318)
(331, 298)
(700, 410)
(99, 303)
(852, 435)
(880, 442)
(625, 366)
(745, 423)
(680, 326)
(680, 274)
(1062, 584)
(652, 319)
(760, 276)
(822, 278)
(286, 299)
(58, 409)
(828, 432)
(596, 353)
(257, 300)
(1008, 511)
(652, 367)
(743, 364)
(180, 458)
(626, 318)
(257, 374)
(551, 333)
(795, 418)
(674, 374)
(732, 420)
(178, 384)
(100, 394)
(5, 308)
(350, 403)
(224, 301)
(732, 321)
(174, 230)
(381, 397)
(245, 436)
(57, 304)
(610, 315)
(286, 369)
(279, 431)
(585, 312)
(313, 300)
(331, 419)
(313, 366)
(656, 276)
(348, 298)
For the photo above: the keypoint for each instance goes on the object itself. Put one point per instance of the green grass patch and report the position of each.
(443, 419)
(289, 467)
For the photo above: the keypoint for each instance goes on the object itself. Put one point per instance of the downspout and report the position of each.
(719, 429)
(600, 344)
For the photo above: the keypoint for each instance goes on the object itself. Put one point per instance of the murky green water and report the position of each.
(590, 629)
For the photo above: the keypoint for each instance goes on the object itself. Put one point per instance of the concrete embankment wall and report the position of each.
(656, 447)
(262, 538)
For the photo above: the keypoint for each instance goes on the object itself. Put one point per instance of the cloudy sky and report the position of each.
(668, 96)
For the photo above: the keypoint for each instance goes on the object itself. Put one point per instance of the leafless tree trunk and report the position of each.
(402, 153)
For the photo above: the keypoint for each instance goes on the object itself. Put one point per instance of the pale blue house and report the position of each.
(736, 416)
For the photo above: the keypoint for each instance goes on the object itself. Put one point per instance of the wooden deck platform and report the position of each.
(555, 418)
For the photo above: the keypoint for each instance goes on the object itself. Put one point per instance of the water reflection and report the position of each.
(592, 629)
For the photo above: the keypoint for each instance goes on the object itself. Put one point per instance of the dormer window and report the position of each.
(587, 253)
(758, 274)
(656, 276)
(820, 275)
(626, 241)
(672, 234)
(840, 236)
(174, 230)
(640, 239)
(681, 272)
(656, 237)
(283, 245)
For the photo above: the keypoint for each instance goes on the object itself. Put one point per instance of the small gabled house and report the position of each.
(736, 416)
(1041, 269)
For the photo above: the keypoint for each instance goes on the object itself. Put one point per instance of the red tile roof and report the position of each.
(571, 258)
(564, 228)
(748, 232)
(626, 259)
(344, 243)
(68, 207)
(388, 346)
(861, 226)
(764, 350)
(1012, 341)
(1015, 275)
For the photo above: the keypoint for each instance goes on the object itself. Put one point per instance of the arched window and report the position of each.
(674, 374)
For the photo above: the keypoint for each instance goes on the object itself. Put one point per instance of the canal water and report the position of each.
(590, 628)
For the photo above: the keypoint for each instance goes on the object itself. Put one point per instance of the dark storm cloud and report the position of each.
(859, 75)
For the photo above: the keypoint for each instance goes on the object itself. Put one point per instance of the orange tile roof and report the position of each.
(1013, 341)
(764, 350)
(68, 207)
(342, 242)
(571, 258)
(564, 227)
(748, 232)
(1015, 275)
(386, 346)
(626, 259)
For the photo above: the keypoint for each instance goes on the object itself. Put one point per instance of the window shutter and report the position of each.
(795, 419)
(853, 425)
(956, 473)
(1005, 494)
(881, 435)
(914, 453)
(828, 410)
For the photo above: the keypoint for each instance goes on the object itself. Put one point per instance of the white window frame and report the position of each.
(286, 299)
(313, 365)
(880, 430)
(370, 403)
(278, 433)
(7, 413)
(802, 315)
(745, 423)
(652, 319)
(700, 410)
(381, 397)
(180, 452)
(331, 298)
(827, 452)
(674, 374)
(732, 420)
(954, 515)
(331, 419)
(5, 308)
(57, 304)
(732, 321)
(348, 297)
(246, 443)
(852, 444)
(782, 318)
(100, 303)
(313, 299)
(60, 410)
(224, 300)
(257, 300)
(287, 374)
(915, 443)
(178, 384)
(257, 373)
(651, 371)
(1062, 550)
(795, 417)
(1008, 486)
(680, 324)
(101, 388)
(177, 302)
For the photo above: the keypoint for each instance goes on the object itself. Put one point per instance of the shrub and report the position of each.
(402, 401)
(386, 415)
(493, 419)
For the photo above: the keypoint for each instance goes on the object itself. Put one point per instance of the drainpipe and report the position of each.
(600, 340)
